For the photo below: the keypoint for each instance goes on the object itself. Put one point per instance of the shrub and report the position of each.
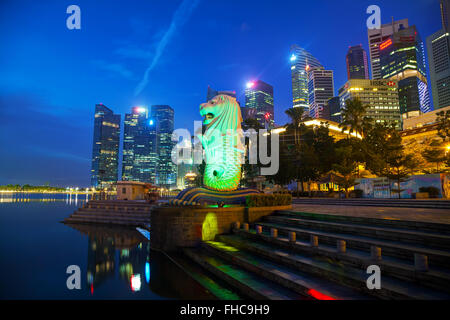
(268, 200)
(432, 191)
(357, 193)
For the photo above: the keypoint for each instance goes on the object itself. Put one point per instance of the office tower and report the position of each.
(357, 66)
(140, 157)
(380, 95)
(334, 109)
(376, 37)
(166, 174)
(187, 165)
(212, 93)
(259, 103)
(105, 150)
(301, 62)
(445, 14)
(438, 45)
(402, 59)
(321, 89)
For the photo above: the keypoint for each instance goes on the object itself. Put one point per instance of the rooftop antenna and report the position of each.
(393, 25)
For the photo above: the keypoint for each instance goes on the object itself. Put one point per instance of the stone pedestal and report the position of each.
(175, 227)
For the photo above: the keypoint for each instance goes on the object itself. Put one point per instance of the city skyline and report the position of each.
(60, 99)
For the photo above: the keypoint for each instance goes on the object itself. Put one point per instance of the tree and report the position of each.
(354, 117)
(346, 168)
(400, 166)
(435, 154)
(296, 115)
(380, 141)
(250, 171)
(443, 121)
(323, 143)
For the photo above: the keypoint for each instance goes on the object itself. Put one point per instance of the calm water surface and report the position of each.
(115, 263)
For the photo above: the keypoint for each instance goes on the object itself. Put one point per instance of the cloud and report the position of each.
(179, 18)
(114, 68)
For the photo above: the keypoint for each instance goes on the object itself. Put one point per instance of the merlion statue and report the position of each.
(224, 152)
(222, 143)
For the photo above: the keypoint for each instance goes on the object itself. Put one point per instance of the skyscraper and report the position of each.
(321, 89)
(334, 109)
(380, 95)
(212, 93)
(376, 37)
(445, 14)
(166, 174)
(259, 103)
(438, 45)
(105, 150)
(140, 157)
(357, 66)
(301, 62)
(402, 59)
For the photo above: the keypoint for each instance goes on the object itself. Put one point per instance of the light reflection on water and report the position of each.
(68, 198)
(115, 262)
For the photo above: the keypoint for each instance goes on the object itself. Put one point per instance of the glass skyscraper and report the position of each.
(105, 150)
(357, 65)
(402, 59)
(301, 62)
(321, 89)
(333, 107)
(438, 45)
(166, 173)
(259, 103)
(140, 157)
(211, 93)
(376, 37)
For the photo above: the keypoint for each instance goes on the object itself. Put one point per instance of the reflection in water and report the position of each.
(68, 198)
(111, 249)
(125, 254)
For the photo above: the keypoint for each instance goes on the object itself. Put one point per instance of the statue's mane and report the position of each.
(230, 115)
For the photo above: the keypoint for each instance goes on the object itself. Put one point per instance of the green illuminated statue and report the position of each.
(224, 154)
(222, 143)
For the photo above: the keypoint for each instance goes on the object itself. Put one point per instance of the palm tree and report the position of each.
(353, 117)
(296, 115)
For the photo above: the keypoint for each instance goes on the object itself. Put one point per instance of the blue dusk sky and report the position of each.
(130, 53)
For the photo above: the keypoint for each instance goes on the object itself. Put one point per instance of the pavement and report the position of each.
(407, 214)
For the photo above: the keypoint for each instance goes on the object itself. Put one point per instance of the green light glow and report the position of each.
(222, 143)
(209, 227)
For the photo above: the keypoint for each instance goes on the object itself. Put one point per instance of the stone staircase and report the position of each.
(113, 212)
(398, 203)
(293, 255)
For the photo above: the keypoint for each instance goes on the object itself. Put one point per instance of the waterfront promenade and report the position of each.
(395, 213)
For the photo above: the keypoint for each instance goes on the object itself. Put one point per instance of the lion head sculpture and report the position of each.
(222, 143)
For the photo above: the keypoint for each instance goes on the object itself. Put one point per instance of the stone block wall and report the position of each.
(175, 227)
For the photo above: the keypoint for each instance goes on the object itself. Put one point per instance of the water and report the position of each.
(115, 263)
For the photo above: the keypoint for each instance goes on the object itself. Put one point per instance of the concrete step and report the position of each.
(298, 281)
(434, 278)
(431, 239)
(113, 213)
(118, 208)
(110, 217)
(211, 283)
(402, 224)
(405, 203)
(247, 283)
(324, 268)
(78, 220)
(390, 248)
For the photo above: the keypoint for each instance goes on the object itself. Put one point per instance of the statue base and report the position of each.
(202, 196)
